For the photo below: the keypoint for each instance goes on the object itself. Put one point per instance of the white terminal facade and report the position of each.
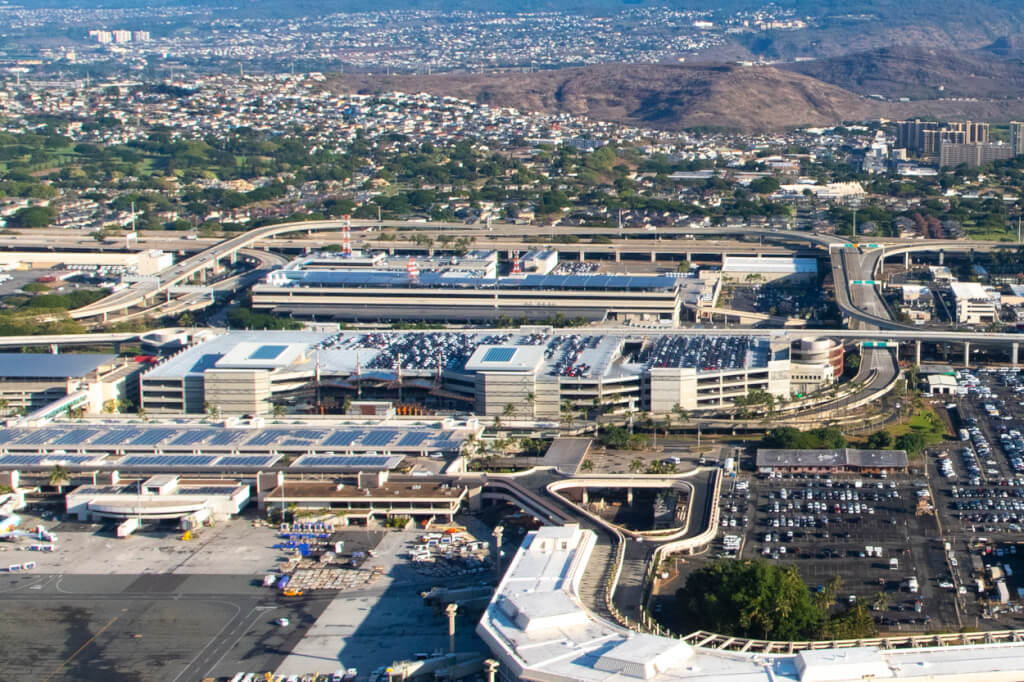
(534, 369)
(537, 629)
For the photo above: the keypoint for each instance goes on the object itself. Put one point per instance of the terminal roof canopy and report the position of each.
(51, 366)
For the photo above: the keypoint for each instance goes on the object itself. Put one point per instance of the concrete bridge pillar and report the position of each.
(582, 256)
(430, 252)
(689, 257)
(942, 257)
(654, 257)
(586, 497)
(1013, 353)
(967, 353)
(629, 496)
(906, 259)
(54, 349)
(618, 257)
(917, 352)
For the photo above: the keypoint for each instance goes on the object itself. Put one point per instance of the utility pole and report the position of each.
(490, 668)
(498, 531)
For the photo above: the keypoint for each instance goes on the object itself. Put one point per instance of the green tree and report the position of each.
(753, 599)
(636, 466)
(913, 442)
(59, 478)
(880, 440)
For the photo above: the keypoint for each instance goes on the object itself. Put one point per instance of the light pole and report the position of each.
(490, 667)
(450, 611)
(498, 531)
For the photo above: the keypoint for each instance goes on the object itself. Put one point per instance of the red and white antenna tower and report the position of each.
(412, 269)
(517, 264)
(346, 236)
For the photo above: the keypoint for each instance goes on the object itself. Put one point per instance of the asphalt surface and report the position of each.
(169, 628)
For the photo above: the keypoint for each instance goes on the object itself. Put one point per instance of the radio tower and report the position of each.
(412, 270)
(517, 267)
(346, 237)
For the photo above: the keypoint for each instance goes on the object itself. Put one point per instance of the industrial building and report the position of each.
(846, 460)
(148, 262)
(533, 369)
(974, 304)
(537, 629)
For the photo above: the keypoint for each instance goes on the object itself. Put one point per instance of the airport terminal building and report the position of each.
(533, 369)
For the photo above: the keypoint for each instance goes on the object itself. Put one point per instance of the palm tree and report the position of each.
(279, 410)
(508, 410)
(141, 414)
(568, 413)
(212, 410)
(531, 399)
(636, 466)
(881, 601)
(346, 404)
(4, 406)
(587, 465)
(59, 478)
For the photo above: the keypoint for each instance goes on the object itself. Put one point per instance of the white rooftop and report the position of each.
(529, 626)
(769, 264)
(969, 290)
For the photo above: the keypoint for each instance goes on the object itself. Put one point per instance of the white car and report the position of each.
(283, 622)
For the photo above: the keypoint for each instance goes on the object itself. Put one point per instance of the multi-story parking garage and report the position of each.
(534, 370)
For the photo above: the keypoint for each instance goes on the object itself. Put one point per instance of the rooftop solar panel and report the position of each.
(39, 437)
(267, 352)
(307, 434)
(499, 354)
(342, 438)
(353, 461)
(168, 460)
(378, 438)
(7, 435)
(75, 437)
(265, 437)
(413, 439)
(247, 460)
(191, 437)
(116, 437)
(227, 437)
(153, 436)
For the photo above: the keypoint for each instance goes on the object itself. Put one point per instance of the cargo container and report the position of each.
(127, 527)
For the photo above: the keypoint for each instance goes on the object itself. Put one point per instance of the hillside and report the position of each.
(919, 73)
(668, 97)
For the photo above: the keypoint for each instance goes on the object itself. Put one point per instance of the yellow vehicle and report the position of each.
(292, 593)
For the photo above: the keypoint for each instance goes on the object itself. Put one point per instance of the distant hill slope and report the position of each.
(919, 73)
(668, 97)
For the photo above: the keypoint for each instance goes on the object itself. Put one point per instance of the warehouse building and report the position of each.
(533, 369)
(974, 304)
(760, 269)
(843, 461)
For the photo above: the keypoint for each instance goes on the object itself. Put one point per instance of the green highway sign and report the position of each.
(868, 282)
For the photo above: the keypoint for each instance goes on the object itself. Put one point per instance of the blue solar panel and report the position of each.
(364, 461)
(168, 460)
(413, 439)
(227, 437)
(342, 438)
(377, 438)
(247, 461)
(265, 437)
(75, 437)
(153, 436)
(40, 460)
(7, 435)
(267, 352)
(191, 437)
(116, 437)
(499, 354)
(307, 434)
(39, 437)
(21, 460)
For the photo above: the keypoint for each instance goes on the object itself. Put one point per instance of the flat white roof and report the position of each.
(969, 290)
(555, 646)
(770, 264)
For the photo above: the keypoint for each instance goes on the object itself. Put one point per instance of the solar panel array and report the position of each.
(191, 439)
(499, 354)
(349, 461)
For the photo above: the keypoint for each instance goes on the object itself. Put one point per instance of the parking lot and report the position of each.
(844, 525)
